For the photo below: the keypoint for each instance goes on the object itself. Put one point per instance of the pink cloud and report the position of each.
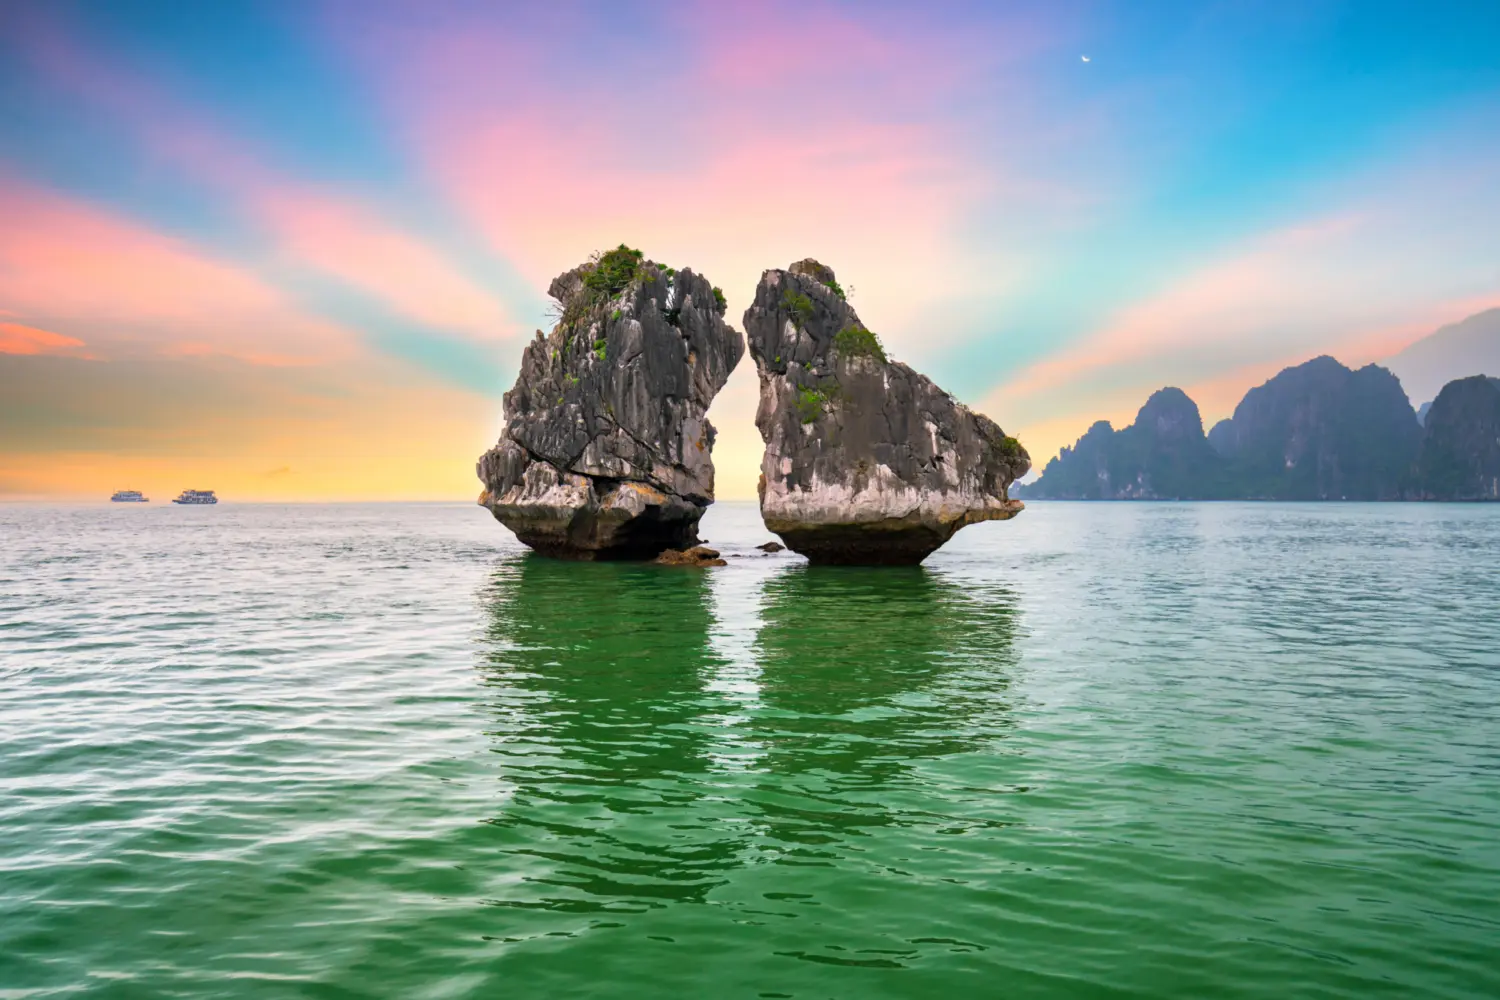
(18, 339)
(1219, 395)
(1407, 252)
(750, 146)
(334, 235)
(354, 245)
(1264, 284)
(74, 262)
(1395, 253)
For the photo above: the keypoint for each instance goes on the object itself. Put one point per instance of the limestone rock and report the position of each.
(1162, 456)
(1320, 431)
(606, 452)
(770, 548)
(698, 555)
(867, 461)
(1460, 458)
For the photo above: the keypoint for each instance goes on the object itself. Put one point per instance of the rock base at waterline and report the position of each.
(891, 542)
(698, 555)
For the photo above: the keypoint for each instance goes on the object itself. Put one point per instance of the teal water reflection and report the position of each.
(598, 678)
(864, 674)
(1115, 750)
(654, 793)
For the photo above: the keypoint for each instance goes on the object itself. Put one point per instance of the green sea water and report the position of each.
(1109, 750)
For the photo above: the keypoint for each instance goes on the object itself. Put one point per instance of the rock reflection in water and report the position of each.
(612, 730)
(866, 674)
(598, 675)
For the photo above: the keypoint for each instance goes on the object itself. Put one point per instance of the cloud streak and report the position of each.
(83, 268)
(1391, 256)
(333, 235)
(16, 338)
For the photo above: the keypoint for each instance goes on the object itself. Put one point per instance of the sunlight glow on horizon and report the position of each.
(328, 228)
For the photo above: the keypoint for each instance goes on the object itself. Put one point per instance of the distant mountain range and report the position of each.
(1318, 431)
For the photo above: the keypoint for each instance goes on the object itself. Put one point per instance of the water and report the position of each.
(1116, 750)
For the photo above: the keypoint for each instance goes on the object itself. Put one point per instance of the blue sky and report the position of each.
(353, 209)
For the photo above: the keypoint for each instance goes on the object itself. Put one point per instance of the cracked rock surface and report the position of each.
(606, 452)
(867, 461)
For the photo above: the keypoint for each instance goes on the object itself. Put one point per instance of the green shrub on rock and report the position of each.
(809, 404)
(799, 305)
(613, 271)
(855, 341)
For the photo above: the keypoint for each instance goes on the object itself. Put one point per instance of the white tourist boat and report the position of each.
(128, 496)
(197, 497)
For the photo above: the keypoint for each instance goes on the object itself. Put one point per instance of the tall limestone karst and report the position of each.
(606, 452)
(1319, 431)
(1460, 457)
(866, 461)
(1162, 456)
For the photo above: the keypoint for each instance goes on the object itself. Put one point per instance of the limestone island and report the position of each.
(606, 452)
(867, 462)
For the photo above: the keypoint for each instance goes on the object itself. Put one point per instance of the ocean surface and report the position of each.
(1103, 750)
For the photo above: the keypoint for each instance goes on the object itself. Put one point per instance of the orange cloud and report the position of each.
(18, 339)
(1392, 253)
(1218, 394)
(369, 429)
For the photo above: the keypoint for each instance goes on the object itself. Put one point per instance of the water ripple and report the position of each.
(1128, 750)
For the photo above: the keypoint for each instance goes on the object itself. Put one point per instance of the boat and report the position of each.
(197, 497)
(128, 496)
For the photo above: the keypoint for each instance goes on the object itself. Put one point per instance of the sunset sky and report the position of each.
(293, 250)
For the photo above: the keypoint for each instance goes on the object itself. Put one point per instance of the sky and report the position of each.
(293, 250)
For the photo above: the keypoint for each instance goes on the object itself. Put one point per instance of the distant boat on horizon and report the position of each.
(197, 497)
(128, 496)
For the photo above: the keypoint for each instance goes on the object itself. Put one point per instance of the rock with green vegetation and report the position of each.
(1460, 458)
(607, 448)
(866, 461)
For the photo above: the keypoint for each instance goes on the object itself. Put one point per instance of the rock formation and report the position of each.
(606, 449)
(1162, 456)
(1317, 431)
(867, 461)
(1320, 431)
(1460, 457)
(699, 556)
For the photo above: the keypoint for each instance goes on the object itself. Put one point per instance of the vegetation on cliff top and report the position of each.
(857, 341)
(613, 272)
